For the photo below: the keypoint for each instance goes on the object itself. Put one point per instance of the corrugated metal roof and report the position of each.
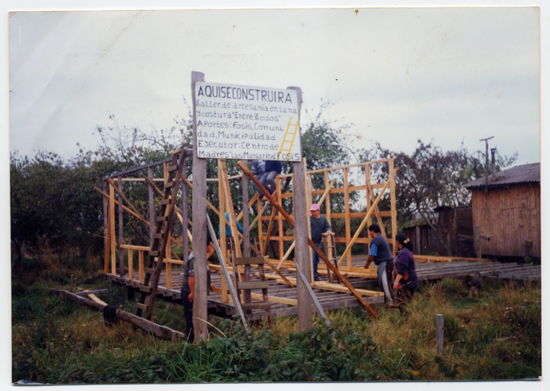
(526, 173)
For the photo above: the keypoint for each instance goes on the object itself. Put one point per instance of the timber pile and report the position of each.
(492, 272)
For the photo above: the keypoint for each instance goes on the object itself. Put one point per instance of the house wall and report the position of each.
(511, 217)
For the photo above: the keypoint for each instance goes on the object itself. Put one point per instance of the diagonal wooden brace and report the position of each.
(310, 242)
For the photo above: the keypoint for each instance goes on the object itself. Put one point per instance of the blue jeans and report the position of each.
(268, 180)
(316, 260)
(259, 178)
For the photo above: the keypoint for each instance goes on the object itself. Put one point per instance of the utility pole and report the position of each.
(486, 161)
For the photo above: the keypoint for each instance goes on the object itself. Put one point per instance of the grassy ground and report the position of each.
(495, 336)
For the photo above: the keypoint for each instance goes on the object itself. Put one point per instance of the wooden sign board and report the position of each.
(243, 122)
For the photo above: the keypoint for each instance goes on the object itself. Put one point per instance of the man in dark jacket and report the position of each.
(319, 225)
(380, 252)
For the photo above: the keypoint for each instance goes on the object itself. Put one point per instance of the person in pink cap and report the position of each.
(319, 225)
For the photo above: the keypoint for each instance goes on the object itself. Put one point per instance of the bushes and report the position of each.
(497, 337)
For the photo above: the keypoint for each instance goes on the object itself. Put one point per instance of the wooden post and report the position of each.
(346, 211)
(200, 311)
(72, 282)
(120, 230)
(439, 322)
(130, 264)
(246, 233)
(106, 238)
(168, 252)
(279, 217)
(112, 227)
(309, 201)
(141, 267)
(477, 240)
(184, 217)
(393, 211)
(152, 212)
(246, 215)
(223, 237)
(300, 236)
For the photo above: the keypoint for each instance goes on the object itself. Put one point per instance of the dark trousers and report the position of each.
(316, 261)
(188, 311)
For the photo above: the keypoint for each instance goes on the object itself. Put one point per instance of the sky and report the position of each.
(396, 75)
(393, 75)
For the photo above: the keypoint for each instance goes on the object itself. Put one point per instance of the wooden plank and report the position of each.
(339, 288)
(392, 172)
(107, 237)
(96, 299)
(249, 261)
(269, 228)
(156, 330)
(134, 247)
(130, 263)
(279, 217)
(256, 306)
(301, 251)
(112, 227)
(253, 285)
(141, 266)
(120, 229)
(347, 217)
(223, 237)
(309, 202)
(232, 290)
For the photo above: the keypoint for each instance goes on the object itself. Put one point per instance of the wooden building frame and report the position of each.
(117, 247)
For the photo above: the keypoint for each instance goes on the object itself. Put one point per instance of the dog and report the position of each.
(471, 284)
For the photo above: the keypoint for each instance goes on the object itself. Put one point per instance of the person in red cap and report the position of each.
(319, 225)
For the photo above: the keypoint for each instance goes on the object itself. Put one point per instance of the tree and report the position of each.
(430, 178)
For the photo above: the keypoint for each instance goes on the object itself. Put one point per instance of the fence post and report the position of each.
(440, 334)
(477, 240)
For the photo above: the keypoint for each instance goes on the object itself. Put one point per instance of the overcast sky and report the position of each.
(395, 75)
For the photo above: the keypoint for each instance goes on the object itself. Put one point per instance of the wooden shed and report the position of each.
(507, 213)
(456, 228)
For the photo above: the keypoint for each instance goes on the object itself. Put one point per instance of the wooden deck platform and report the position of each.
(284, 298)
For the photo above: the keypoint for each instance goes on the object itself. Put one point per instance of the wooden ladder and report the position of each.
(247, 285)
(163, 226)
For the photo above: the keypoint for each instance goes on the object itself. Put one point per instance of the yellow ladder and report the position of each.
(288, 138)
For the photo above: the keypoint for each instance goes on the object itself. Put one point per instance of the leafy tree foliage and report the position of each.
(430, 178)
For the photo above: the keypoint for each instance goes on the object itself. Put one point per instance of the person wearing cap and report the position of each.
(406, 278)
(379, 251)
(319, 225)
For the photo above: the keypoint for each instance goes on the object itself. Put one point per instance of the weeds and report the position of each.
(496, 336)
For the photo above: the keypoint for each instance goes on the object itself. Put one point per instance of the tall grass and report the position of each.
(495, 336)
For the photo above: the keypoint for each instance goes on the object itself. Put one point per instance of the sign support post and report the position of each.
(200, 305)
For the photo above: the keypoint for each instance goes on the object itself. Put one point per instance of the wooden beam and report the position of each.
(155, 329)
(200, 304)
(106, 237)
(232, 290)
(112, 228)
